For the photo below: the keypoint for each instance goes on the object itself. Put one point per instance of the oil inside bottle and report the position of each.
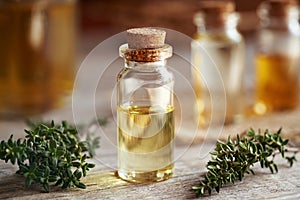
(277, 86)
(145, 141)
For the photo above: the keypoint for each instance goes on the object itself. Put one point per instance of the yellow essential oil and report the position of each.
(277, 86)
(145, 143)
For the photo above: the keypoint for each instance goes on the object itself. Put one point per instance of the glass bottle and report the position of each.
(218, 64)
(37, 55)
(145, 113)
(277, 58)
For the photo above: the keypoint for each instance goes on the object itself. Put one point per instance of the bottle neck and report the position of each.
(216, 23)
(149, 59)
(285, 18)
(287, 23)
(145, 66)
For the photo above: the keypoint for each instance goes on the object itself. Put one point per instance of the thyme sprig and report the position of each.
(233, 158)
(50, 153)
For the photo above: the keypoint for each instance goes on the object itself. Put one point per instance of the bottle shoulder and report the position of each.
(161, 74)
(230, 37)
(291, 32)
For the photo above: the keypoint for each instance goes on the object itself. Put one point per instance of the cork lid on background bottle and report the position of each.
(276, 8)
(213, 12)
(216, 6)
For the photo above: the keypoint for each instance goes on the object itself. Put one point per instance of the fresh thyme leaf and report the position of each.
(50, 154)
(232, 159)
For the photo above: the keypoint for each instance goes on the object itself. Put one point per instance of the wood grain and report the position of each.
(103, 184)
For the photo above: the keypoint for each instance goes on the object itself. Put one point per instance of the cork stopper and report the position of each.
(214, 12)
(144, 38)
(280, 7)
(277, 8)
(216, 6)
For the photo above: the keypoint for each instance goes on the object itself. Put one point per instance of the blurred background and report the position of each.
(118, 15)
(111, 17)
(100, 19)
(39, 44)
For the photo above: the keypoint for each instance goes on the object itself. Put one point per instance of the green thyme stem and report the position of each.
(232, 159)
(50, 154)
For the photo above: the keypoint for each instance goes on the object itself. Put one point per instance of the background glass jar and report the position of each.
(218, 64)
(145, 115)
(277, 57)
(37, 55)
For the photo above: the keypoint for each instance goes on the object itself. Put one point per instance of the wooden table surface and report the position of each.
(189, 167)
(94, 97)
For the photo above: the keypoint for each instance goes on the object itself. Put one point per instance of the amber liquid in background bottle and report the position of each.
(277, 85)
(37, 55)
(277, 57)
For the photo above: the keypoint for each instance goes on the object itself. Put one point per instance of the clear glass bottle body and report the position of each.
(217, 69)
(37, 55)
(145, 119)
(277, 61)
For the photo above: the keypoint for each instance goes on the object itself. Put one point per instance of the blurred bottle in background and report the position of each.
(218, 64)
(277, 58)
(37, 55)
